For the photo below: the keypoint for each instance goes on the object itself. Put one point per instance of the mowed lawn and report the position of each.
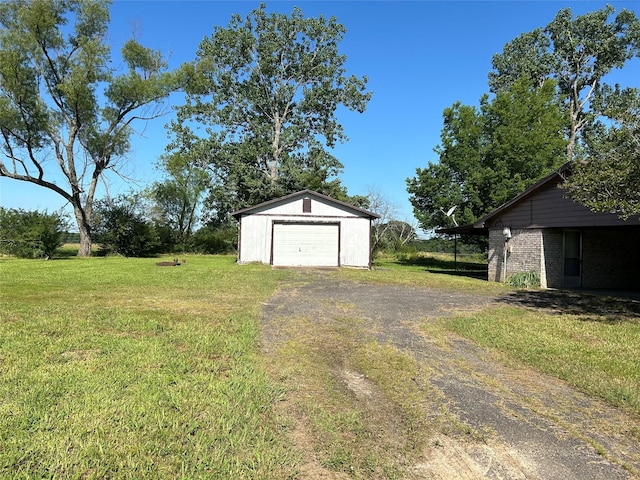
(117, 368)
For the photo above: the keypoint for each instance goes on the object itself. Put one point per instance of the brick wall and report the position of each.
(524, 253)
(611, 259)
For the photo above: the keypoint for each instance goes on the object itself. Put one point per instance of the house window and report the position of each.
(306, 205)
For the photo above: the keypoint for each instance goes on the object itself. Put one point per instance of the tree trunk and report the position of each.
(85, 232)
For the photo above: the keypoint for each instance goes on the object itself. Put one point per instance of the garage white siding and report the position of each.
(305, 244)
(283, 232)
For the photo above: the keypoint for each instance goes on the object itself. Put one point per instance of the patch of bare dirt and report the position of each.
(504, 423)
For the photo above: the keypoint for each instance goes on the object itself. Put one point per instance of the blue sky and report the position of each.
(420, 57)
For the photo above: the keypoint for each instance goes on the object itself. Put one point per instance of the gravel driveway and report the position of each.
(532, 425)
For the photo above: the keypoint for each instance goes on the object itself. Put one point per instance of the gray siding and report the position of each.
(547, 208)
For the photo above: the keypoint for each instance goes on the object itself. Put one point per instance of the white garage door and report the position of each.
(305, 244)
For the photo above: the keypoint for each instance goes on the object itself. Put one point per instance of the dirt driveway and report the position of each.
(530, 425)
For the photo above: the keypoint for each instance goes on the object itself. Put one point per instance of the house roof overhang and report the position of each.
(480, 227)
(470, 229)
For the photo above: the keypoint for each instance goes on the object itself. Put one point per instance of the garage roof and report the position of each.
(303, 193)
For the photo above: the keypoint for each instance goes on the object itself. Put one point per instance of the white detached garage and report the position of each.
(305, 229)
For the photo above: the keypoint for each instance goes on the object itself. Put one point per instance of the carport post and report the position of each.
(455, 251)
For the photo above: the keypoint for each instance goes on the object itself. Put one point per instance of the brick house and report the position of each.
(566, 243)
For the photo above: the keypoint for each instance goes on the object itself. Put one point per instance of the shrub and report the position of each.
(530, 279)
(121, 229)
(31, 234)
(211, 240)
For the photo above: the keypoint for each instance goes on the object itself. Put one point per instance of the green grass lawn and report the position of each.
(113, 367)
(597, 352)
(431, 270)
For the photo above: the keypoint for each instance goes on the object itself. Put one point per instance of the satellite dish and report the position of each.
(449, 213)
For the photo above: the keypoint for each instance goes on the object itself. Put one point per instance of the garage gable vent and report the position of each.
(306, 205)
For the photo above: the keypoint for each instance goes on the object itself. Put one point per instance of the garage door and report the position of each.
(305, 244)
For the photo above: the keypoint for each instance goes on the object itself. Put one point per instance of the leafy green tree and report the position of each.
(266, 90)
(176, 200)
(121, 227)
(393, 236)
(577, 53)
(215, 240)
(387, 231)
(601, 119)
(609, 181)
(490, 154)
(60, 95)
(31, 234)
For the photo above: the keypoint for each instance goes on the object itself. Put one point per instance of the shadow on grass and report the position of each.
(66, 254)
(602, 306)
(447, 267)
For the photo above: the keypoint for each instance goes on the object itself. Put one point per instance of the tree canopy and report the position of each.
(61, 98)
(490, 154)
(260, 110)
(550, 105)
(577, 53)
(608, 180)
(177, 199)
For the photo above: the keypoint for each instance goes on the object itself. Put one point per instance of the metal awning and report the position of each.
(471, 229)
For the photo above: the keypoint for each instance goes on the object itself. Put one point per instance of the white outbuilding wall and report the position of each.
(305, 229)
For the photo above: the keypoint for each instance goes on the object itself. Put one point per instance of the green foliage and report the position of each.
(530, 279)
(121, 228)
(266, 90)
(393, 236)
(577, 53)
(609, 179)
(446, 244)
(491, 154)
(31, 234)
(72, 237)
(176, 200)
(214, 240)
(61, 95)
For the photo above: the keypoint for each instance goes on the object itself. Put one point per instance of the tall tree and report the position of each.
(177, 199)
(609, 180)
(577, 53)
(490, 154)
(388, 231)
(265, 91)
(60, 97)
